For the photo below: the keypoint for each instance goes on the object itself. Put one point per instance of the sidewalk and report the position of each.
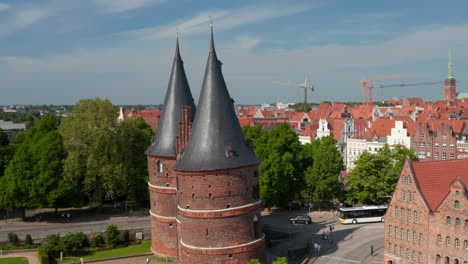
(31, 256)
(376, 259)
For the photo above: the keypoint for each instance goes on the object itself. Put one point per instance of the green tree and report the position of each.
(93, 153)
(322, 177)
(105, 157)
(375, 176)
(134, 137)
(281, 260)
(279, 150)
(112, 236)
(6, 152)
(34, 177)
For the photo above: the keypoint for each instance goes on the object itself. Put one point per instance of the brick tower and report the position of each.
(218, 211)
(173, 131)
(450, 84)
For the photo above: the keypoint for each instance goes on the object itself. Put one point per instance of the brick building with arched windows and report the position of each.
(427, 218)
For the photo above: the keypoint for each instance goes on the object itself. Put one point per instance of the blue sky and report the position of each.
(60, 51)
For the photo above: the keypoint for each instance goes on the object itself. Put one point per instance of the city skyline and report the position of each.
(59, 53)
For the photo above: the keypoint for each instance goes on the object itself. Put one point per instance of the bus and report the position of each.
(362, 214)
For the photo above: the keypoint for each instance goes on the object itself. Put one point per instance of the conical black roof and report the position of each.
(178, 94)
(216, 141)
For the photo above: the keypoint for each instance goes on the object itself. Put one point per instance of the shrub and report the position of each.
(42, 254)
(112, 236)
(52, 245)
(126, 236)
(97, 241)
(72, 242)
(28, 240)
(13, 239)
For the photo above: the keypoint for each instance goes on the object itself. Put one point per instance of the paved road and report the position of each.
(39, 230)
(356, 246)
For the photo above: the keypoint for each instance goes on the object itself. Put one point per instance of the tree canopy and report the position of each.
(279, 150)
(375, 176)
(322, 177)
(106, 158)
(34, 176)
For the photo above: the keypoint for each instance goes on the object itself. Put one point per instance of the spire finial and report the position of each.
(177, 53)
(450, 66)
(212, 39)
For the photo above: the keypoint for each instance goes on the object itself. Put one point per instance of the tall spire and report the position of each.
(216, 141)
(450, 75)
(178, 94)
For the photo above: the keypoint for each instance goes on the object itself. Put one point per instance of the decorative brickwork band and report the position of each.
(162, 189)
(161, 218)
(220, 212)
(224, 250)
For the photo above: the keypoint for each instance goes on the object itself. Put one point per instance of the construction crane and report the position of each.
(306, 86)
(365, 87)
(406, 85)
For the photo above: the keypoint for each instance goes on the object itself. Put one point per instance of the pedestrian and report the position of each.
(315, 247)
(372, 251)
(63, 215)
(330, 228)
(147, 260)
(318, 248)
(68, 217)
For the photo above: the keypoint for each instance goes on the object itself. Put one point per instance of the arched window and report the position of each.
(449, 220)
(448, 240)
(415, 237)
(407, 253)
(395, 249)
(403, 195)
(415, 216)
(414, 255)
(437, 259)
(402, 234)
(409, 179)
(409, 215)
(457, 243)
(397, 212)
(160, 166)
(397, 232)
(408, 235)
(403, 217)
(466, 244)
(457, 204)
(404, 179)
(457, 221)
(420, 258)
(456, 261)
(447, 260)
(390, 248)
(390, 230)
(410, 197)
(402, 252)
(421, 238)
(439, 238)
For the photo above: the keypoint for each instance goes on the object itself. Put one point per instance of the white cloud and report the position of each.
(245, 42)
(222, 19)
(4, 7)
(22, 18)
(117, 6)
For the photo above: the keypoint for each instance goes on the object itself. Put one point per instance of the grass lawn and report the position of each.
(144, 247)
(19, 260)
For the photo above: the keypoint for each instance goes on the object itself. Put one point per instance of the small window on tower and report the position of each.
(210, 196)
(160, 166)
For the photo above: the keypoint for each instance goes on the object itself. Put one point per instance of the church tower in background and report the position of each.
(450, 84)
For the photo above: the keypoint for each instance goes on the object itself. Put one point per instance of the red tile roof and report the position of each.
(382, 127)
(434, 178)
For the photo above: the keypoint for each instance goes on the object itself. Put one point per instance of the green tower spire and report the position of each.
(450, 67)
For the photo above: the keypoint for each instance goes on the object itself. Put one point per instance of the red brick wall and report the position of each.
(443, 135)
(234, 258)
(234, 188)
(224, 191)
(439, 226)
(421, 227)
(163, 203)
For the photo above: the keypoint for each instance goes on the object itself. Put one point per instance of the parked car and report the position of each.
(302, 219)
